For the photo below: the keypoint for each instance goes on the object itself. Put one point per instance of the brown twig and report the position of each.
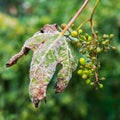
(94, 41)
(91, 20)
(75, 16)
(96, 80)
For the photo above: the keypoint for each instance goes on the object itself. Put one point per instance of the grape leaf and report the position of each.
(49, 49)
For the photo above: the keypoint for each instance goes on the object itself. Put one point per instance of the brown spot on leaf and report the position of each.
(43, 42)
(49, 28)
(60, 86)
(38, 96)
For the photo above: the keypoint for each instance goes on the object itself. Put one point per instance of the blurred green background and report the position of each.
(19, 20)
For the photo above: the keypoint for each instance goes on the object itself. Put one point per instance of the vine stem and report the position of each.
(96, 80)
(90, 19)
(94, 37)
(75, 17)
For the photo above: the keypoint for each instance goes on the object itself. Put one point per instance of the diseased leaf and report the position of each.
(49, 49)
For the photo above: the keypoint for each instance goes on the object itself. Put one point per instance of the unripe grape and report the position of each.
(63, 26)
(91, 48)
(114, 48)
(82, 61)
(86, 71)
(80, 72)
(88, 43)
(90, 73)
(100, 85)
(83, 50)
(107, 48)
(111, 36)
(107, 41)
(96, 32)
(83, 38)
(88, 56)
(98, 65)
(80, 31)
(92, 70)
(92, 83)
(86, 35)
(81, 66)
(87, 65)
(103, 43)
(105, 36)
(94, 58)
(89, 38)
(74, 34)
(84, 76)
(103, 78)
(88, 81)
(78, 45)
(98, 50)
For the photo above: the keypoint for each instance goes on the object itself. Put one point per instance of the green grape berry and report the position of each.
(105, 36)
(63, 26)
(96, 32)
(91, 48)
(103, 78)
(86, 35)
(89, 38)
(94, 58)
(80, 31)
(84, 38)
(84, 76)
(103, 43)
(90, 73)
(80, 72)
(100, 85)
(88, 81)
(81, 66)
(74, 34)
(73, 42)
(111, 36)
(98, 50)
(82, 61)
(78, 45)
(107, 48)
(86, 71)
(114, 48)
(88, 65)
(88, 43)
(107, 41)
(92, 83)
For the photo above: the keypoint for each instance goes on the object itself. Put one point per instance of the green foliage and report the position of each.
(78, 101)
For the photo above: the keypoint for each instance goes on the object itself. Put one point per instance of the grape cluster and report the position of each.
(89, 46)
(85, 70)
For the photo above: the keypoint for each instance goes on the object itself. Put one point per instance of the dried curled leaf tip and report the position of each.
(35, 102)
